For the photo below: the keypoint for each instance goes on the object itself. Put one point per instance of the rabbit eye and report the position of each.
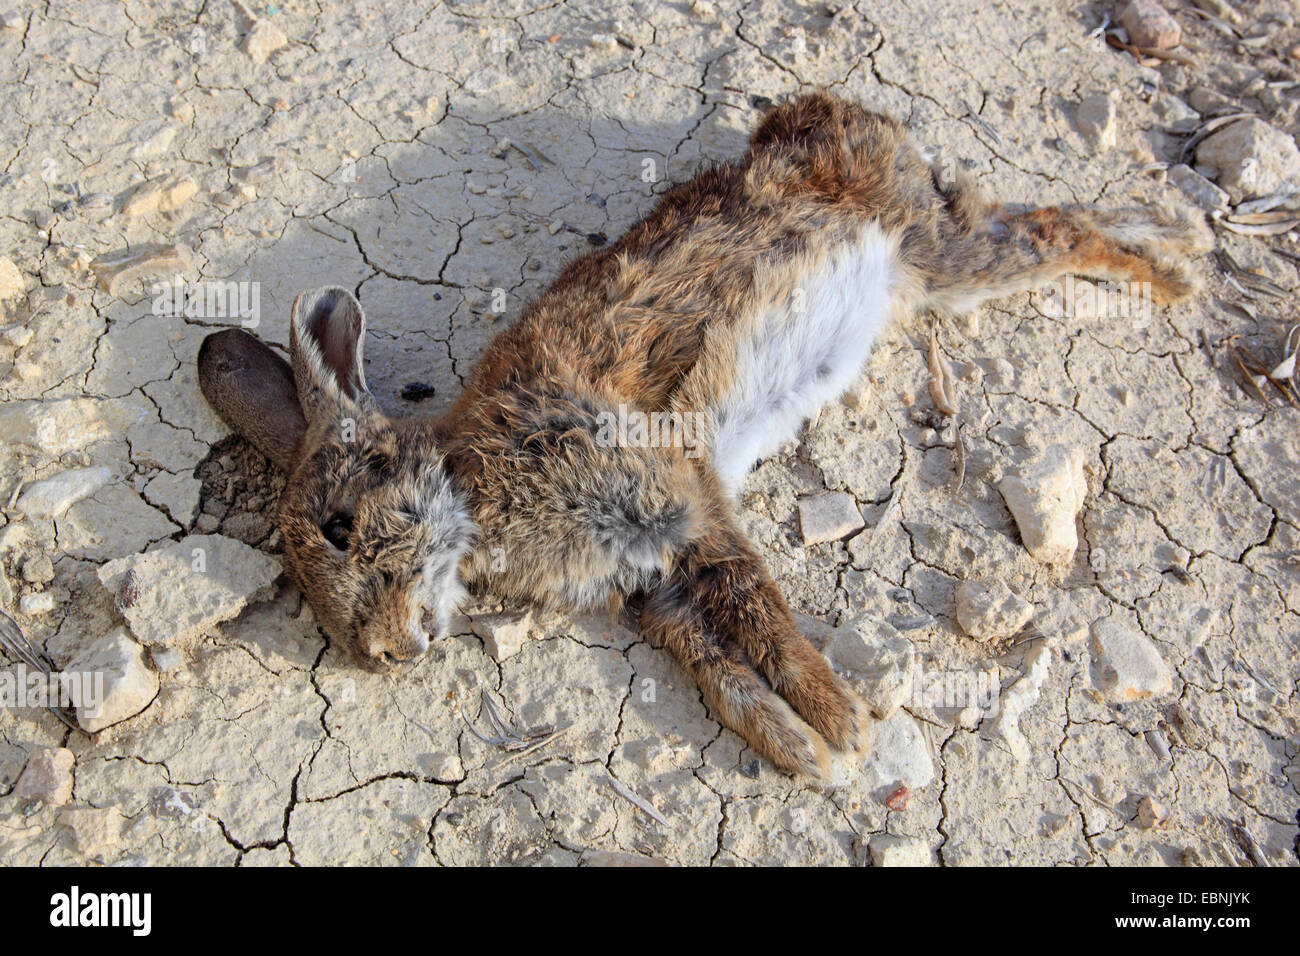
(338, 530)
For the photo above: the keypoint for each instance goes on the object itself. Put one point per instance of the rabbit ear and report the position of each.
(252, 389)
(326, 332)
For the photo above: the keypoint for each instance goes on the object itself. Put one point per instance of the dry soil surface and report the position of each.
(445, 161)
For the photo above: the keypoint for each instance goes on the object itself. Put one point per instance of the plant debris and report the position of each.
(18, 648)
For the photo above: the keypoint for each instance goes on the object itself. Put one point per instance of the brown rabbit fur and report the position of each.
(748, 297)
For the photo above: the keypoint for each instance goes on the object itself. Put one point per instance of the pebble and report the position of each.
(129, 683)
(1177, 116)
(12, 21)
(1205, 99)
(96, 832)
(1129, 665)
(1196, 187)
(1150, 25)
(167, 659)
(829, 517)
(1097, 117)
(1019, 697)
(47, 776)
(181, 110)
(51, 497)
(34, 605)
(116, 269)
(1251, 158)
(988, 610)
(504, 635)
(890, 850)
(17, 336)
(899, 754)
(262, 39)
(38, 569)
(1158, 744)
(12, 284)
(183, 590)
(1045, 497)
(1152, 814)
(155, 142)
(165, 194)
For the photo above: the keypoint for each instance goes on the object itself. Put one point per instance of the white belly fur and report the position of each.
(795, 361)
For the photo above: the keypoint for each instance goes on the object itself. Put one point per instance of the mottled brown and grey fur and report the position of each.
(699, 308)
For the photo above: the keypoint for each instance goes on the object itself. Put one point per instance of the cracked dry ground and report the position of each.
(374, 150)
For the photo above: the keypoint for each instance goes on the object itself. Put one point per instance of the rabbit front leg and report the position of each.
(722, 616)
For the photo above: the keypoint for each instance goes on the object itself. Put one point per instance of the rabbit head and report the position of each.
(374, 527)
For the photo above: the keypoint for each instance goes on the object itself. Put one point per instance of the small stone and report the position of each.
(129, 683)
(899, 754)
(1129, 665)
(988, 610)
(876, 660)
(34, 605)
(1097, 119)
(12, 283)
(6, 590)
(1045, 497)
(206, 523)
(12, 21)
(504, 635)
(1252, 159)
(181, 110)
(1149, 25)
(1018, 698)
(262, 39)
(1158, 743)
(1197, 188)
(165, 194)
(183, 590)
(50, 497)
(1152, 814)
(829, 517)
(47, 776)
(167, 659)
(899, 799)
(443, 766)
(890, 850)
(18, 336)
(96, 832)
(602, 41)
(1177, 116)
(1206, 99)
(116, 269)
(1001, 372)
(153, 141)
(38, 569)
